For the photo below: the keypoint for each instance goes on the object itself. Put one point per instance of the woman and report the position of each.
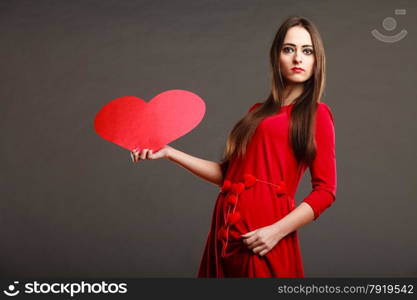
(255, 221)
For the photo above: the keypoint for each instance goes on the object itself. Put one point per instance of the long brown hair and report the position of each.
(304, 108)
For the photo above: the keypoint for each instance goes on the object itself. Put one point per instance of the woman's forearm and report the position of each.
(300, 216)
(208, 170)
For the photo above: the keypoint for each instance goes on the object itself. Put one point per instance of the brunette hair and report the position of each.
(304, 108)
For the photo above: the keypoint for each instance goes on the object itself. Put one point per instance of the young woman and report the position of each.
(255, 221)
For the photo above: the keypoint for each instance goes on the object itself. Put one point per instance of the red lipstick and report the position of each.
(298, 70)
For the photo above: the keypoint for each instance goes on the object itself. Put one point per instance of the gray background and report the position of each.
(73, 204)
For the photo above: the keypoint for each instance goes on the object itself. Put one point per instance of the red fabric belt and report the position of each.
(233, 190)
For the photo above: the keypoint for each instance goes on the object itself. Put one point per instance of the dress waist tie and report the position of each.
(233, 190)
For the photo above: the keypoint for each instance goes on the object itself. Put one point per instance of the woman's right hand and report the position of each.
(137, 155)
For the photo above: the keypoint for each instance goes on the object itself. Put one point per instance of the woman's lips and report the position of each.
(297, 70)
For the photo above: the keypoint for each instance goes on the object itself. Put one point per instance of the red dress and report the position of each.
(259, 190)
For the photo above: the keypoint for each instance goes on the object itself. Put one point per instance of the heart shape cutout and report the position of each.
(131, 122)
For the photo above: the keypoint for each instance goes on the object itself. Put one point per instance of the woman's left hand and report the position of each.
(263, 239)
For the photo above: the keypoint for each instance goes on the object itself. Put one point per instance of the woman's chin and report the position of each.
(296, 79)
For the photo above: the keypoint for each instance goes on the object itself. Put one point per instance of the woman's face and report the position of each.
(297, 52)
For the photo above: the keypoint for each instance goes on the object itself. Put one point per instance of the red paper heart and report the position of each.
(131, 122)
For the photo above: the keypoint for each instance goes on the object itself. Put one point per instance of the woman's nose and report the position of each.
(297, 57)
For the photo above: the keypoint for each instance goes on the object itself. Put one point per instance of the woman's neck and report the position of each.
(291, 92)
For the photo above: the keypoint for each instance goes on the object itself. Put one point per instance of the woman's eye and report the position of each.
(288, 49)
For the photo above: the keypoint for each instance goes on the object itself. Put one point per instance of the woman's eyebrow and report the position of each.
(290, 44)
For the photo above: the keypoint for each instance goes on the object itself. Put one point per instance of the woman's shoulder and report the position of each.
(255, 106)
(324, 113)
(323, 105)
(323, 109)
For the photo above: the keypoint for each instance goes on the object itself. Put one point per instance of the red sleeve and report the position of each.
(323, 168)
(254, 106)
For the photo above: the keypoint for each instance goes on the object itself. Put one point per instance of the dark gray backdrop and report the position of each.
(73, 204)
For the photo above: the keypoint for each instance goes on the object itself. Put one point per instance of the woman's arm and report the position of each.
(208, 170)
(323, 177)
(300, 216)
